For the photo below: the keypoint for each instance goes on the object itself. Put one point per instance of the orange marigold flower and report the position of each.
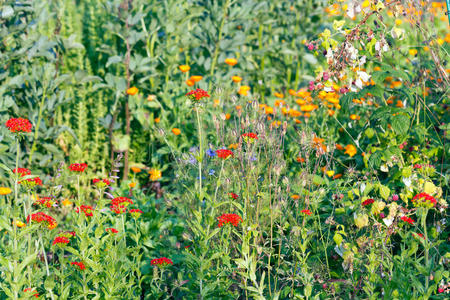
(295, 197)
(184, 68)
(278, 95)
(132, 91)
(157, 120)
(196, 78)
(350, 150)
(231, 61)
(236, 79)
(354, 117)
(190, 82)
(155, 174)
(5, 191)
(243, 90)
(136, 169)
(176, 131)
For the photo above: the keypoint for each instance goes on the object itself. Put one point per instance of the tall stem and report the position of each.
(424, 225)
(36, 129)
(200, 150)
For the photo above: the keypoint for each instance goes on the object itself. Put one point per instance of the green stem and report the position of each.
(47, 270)
(424, 225)
(216, 49)
(200, 158)
(36, 129)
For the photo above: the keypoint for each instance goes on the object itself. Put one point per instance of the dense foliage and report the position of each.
(224, 149)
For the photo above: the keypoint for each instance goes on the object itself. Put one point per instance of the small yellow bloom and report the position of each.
(231, 61)
(233, 146)
(268, 110)
(176, 131)
(155, 174)
(5, 191)
(350, 150)
(354, 117)
(196, 78)
(19, 224)
(413, 52)
(66, 202)
(52, 225)
(398, 22)
(184, 68)
(330, 173)
(132, 91)
(308, 107)
(236, 79)
(243, 90)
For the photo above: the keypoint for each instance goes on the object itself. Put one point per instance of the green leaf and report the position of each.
(400, 124)
(384, 192)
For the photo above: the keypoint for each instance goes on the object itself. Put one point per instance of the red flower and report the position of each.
(417, 235)
(68, 234)
(161, 262)
(118, 208)
(22, 171)
(224, 153)
(306, 212)
(198, 94)
(32, 292)
(101, 182)
(79, 264)
(60, 240)
(233, 195)
(78, 167)
(40, 217)
(135, 212)
(19, 125)
(232, 219)
(249, 136)
(424, 200)
(124, 201)
(31, 182)
(367, 202)
(112, 230)
(407, 220)
(86, 209)
(45, 201)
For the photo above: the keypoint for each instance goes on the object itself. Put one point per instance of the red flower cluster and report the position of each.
(79, 264)
(60, 240)
(31, 182)
(136, 213)
(41, 217)
(32, 292)
(68, 234)
(424, 200)
(101, 182)
(19, 125)
(367, 202)
(197, 94)
(233, 195)
(306, 212)
(22, 171)
(224, 153)
(407, 220)
(86, 209)
(112, 230)
(232, 219)
(161, 262)
(78, 167)
(44, 201)
(119, 204)
(249, 137)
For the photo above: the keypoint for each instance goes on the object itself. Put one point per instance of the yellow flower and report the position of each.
(231, 61)
(338, 24)
(398, 22)
(308, 107)
(155, 174)
(132, 91)
(330, 173)
(412, 52)
(5, 191)
(243, 90)
(354, 117)
(350, 150)
(136, 169)
(377, 207)
(233, 146)
(19, 224)
(236, 79)
(196, 78)
(184, 68)
(52, 225)
(66, 202)
(268, 110)
(176, 131)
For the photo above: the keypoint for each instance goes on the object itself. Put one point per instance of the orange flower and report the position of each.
(339, 147)
(354, 117)
(278, 95)
(176, 131)
(136, 169)
(157, 120)
(243, 90)
(227, 116)
(231, 61)
(308, 107)
(300, 159)
(190, 82)
(337, 176)
(236, 79)
(238, 107)
(233, 146)
(350, 150)
(292, 92)
(132, 185)
(295, 197)
(184, 68)
(196, 78)
(399, 103)
(132, 91)
(268, 110)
